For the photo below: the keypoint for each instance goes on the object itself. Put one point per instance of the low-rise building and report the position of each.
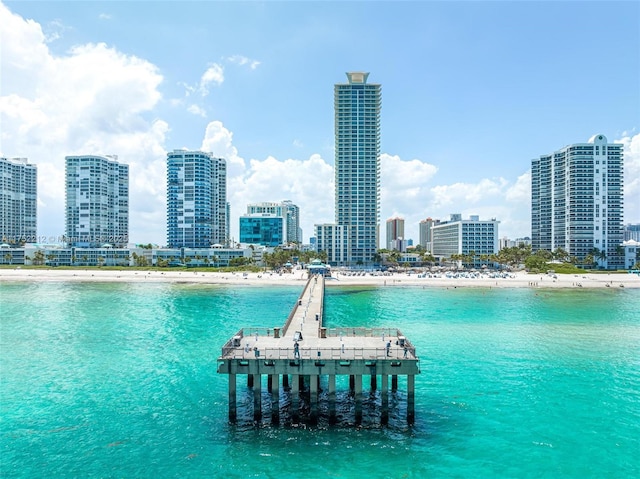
(458, 236)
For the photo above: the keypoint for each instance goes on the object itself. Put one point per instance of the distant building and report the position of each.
(18, 201)
(505, 242)
(399, 244)
(577, 201)
(357, 174)
(197, 208)
(632, 232)
(459, 236)
(426, 233)
(96, 202)
(395, 230)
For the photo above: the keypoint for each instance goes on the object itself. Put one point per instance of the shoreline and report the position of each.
(298, 277)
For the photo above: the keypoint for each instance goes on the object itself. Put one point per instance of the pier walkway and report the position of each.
(321, 351)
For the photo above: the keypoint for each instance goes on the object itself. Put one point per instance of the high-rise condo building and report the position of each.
(395, 230)
(577, 201)
(18, 201)
(97, 201)
(357, 165)
(196, 200)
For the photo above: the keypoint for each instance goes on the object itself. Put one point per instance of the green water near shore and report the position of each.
(118, 380)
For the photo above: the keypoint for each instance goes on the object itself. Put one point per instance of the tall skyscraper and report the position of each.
(196, 199)
(18, 201)
(576, 201)
(395, 230)
(357, 165)
(97, 201)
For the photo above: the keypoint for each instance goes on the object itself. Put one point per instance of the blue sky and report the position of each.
(472, 91)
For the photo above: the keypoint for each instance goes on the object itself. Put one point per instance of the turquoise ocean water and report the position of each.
(119, 381)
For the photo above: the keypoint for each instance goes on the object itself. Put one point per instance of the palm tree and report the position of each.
(561, 255)
(38, 257)
(8, 257)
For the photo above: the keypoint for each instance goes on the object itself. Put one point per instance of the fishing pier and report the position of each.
(302, 351)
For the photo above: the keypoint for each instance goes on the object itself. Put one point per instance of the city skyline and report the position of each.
(472, 93)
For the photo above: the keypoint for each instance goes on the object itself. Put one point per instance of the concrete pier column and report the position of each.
(269, 382)
(394, 382)
(301, 382)
(358, 398)
(275, 399)
(411, 398)
(232, 398)
(384, 419)
(313, 399)
(374, 382)
(352, 383)
(295, 398)
(285, 381)
(250, 381)
(257, 397)
(332, 399)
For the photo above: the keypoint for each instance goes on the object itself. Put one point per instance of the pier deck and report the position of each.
(322, 351)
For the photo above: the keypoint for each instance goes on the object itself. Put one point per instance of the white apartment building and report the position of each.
(577, 201)
(96, 201)
(334, 240)
(18, 201)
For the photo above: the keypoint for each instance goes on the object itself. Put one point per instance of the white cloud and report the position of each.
(242, 60)
(92, 100)
(54, 31)
(105, 16)
(631, 177)
(196, 110)
(308, 183)
(214, 75)
(219, 141)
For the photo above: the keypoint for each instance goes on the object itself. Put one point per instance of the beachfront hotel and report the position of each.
(96, 201)
(18, 201)
(576, 201)
(357, 170)
(459, 236)
(395, 231)
(196, 200)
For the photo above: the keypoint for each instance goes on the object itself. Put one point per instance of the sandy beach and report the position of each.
(298, 277)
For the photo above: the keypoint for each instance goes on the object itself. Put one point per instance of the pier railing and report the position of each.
(295, 308)
(318, 354)
(248, 334)
(389, 333)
